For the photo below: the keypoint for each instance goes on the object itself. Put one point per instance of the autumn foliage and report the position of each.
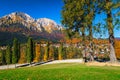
(37, 52)
(117, 48)
(22, 54)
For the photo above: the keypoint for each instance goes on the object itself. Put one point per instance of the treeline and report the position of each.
(37, 51)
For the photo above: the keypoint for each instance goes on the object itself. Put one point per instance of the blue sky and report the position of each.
(35, 8)
(41, 9)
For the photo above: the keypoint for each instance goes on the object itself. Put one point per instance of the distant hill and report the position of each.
(21, 25)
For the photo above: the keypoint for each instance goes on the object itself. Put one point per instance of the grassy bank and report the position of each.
(73, 71)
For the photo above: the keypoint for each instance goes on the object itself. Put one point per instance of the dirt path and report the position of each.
(102, 64)
(60, 61)
(41, 63)
(66, 61)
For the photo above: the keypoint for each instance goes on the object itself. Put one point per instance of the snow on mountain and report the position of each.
(46, 22)
(25, 16)
(39, 25)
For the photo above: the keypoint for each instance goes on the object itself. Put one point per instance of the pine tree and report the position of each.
(30, 50)
(15, 51)
(18, 46)
(8, 55)
(3, 61)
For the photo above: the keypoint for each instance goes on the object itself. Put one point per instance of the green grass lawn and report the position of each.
(71, 71)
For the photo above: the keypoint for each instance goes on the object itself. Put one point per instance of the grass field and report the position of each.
(68, 71)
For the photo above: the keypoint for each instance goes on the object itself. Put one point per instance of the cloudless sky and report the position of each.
(35, 8)
(41, 9)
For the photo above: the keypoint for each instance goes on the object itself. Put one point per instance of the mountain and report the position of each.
(21, 25)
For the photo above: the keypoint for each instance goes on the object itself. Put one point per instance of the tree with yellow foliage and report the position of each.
(51, 53)
(45, 58)
(60, 52)
(37, 52)
(23, 51)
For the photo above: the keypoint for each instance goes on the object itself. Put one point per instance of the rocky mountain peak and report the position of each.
(39, 25)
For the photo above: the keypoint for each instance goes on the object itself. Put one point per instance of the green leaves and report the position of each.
(30, 50)
(8, 55)
(15, 51)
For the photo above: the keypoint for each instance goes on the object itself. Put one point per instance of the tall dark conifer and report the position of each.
(8, 55)
(15, 51)
(30, 50)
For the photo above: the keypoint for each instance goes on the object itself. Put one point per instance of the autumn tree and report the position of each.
(60, 52)
(108, 6)
(81, 14)
(46, 54)
(37, 52)
(51, 53)
(23, 54)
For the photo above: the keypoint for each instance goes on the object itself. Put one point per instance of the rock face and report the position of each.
(19, 24)
(39, 25)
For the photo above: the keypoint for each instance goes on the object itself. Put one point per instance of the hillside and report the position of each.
(21, 25)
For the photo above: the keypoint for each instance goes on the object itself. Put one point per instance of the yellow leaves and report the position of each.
(108, 5)
(37, 52)
(45, 57)
(60, 56)
(117, 48)
(51, 53)
(116, 5)
(22, 55)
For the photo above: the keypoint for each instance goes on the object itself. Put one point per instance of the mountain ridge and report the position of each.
(31, 23)
(19, 23)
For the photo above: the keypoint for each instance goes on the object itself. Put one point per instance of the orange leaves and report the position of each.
(37, 52)
(117, 48)
(22, 54)
(60, 57)
(51, 53)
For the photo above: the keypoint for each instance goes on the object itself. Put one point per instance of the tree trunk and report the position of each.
(91, 44)
(112, 51)
(111, 36)
(84, 47)
(91, 52)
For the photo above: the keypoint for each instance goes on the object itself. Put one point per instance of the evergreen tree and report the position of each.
(8, 55)
(15, 51)
(3, 57)
(30, 50)
(0, 58)
(34, 50)
(55, 53)
(18, 51)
